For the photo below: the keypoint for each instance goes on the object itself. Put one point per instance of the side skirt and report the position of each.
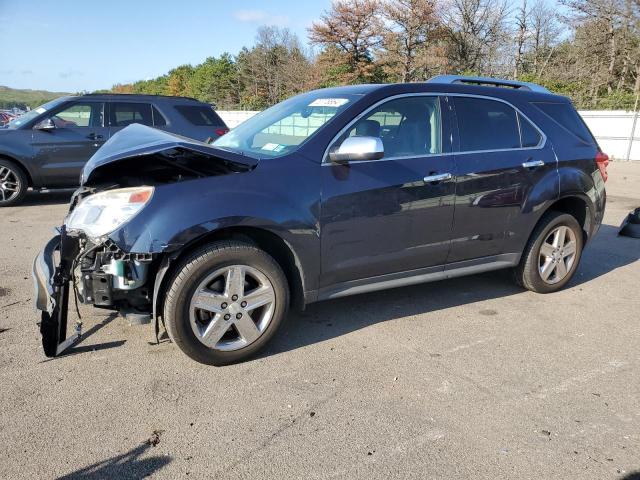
(422, 275)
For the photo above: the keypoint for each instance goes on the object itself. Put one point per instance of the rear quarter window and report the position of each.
(199, 115)
(566, 116)
(530, 137)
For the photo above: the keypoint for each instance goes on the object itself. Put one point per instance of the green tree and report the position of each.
(274, 69)
(216, 81)
(178, 82)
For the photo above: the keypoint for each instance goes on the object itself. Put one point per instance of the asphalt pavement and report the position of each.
(466, 378)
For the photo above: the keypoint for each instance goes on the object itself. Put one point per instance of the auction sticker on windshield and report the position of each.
(328, 102)
(273, 147)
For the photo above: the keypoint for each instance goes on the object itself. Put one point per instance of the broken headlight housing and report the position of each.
(102, 213)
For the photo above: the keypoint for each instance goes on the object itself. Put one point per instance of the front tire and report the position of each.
(13, 183)
(552, 255)
(225, 302)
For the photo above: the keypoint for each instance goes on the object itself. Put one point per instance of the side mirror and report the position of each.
(358, 148)
(46, 124)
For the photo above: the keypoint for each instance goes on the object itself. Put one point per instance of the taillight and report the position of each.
(602, 161)
(221, 131)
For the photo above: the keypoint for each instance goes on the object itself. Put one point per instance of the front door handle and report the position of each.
(440, 177)
(533, 164)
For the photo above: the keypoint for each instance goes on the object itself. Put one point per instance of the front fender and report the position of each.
(176, 217)
(267, 199)
(13, 157)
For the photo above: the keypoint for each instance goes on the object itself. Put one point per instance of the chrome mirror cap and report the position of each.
(46, 124)
(358, 148)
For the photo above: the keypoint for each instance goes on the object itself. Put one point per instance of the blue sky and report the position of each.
(67, 45)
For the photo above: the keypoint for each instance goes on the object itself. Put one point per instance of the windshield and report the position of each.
(282, 128)
(31, 114)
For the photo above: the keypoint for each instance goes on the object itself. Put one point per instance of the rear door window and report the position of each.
(200, 115)
(566, 116)
(123, 114)
(486, 125)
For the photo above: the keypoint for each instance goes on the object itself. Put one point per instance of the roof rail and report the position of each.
(496, 82)
(112, 94)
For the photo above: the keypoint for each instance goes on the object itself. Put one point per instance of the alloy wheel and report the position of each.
(557, 254)
(232, 307)
(9, 184)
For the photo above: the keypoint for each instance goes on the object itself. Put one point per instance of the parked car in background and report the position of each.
(5, 117)
(48, 146)
(330, 193)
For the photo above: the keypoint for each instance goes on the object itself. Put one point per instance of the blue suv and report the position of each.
(48, 146)
(330, 193)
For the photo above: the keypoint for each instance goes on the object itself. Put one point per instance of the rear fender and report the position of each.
(539, 198)
(589, 187)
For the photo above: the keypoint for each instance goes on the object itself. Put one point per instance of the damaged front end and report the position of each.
(73, 266)
(83, 261)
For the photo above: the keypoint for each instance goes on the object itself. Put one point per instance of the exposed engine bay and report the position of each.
(106, 277)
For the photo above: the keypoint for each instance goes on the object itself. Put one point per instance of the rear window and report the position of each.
(566, 116)
(200, 115)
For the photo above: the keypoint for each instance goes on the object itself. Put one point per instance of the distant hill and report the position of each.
(13, 97)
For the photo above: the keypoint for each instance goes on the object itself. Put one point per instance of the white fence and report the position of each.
(233, 118)
(617, 131)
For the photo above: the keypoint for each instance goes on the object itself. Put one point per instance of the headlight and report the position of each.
(102, 213)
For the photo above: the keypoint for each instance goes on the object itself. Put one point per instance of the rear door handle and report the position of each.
(533, 164)
(440, 177)
(95, 136)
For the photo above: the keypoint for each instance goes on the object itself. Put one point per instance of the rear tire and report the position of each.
(225, 301)
(552, 255)
(13, 183)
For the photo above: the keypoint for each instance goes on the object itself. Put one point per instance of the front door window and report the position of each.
(408, 126)
(79, 115)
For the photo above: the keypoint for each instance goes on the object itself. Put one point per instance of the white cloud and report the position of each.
(70, 73)
(260, 16)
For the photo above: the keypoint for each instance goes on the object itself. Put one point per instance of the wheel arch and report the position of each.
(266, 240)
(20, 165)
(576, 205)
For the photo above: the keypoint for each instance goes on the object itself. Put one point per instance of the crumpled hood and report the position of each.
(139, 140)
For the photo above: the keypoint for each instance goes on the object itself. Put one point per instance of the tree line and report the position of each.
(588, 50)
